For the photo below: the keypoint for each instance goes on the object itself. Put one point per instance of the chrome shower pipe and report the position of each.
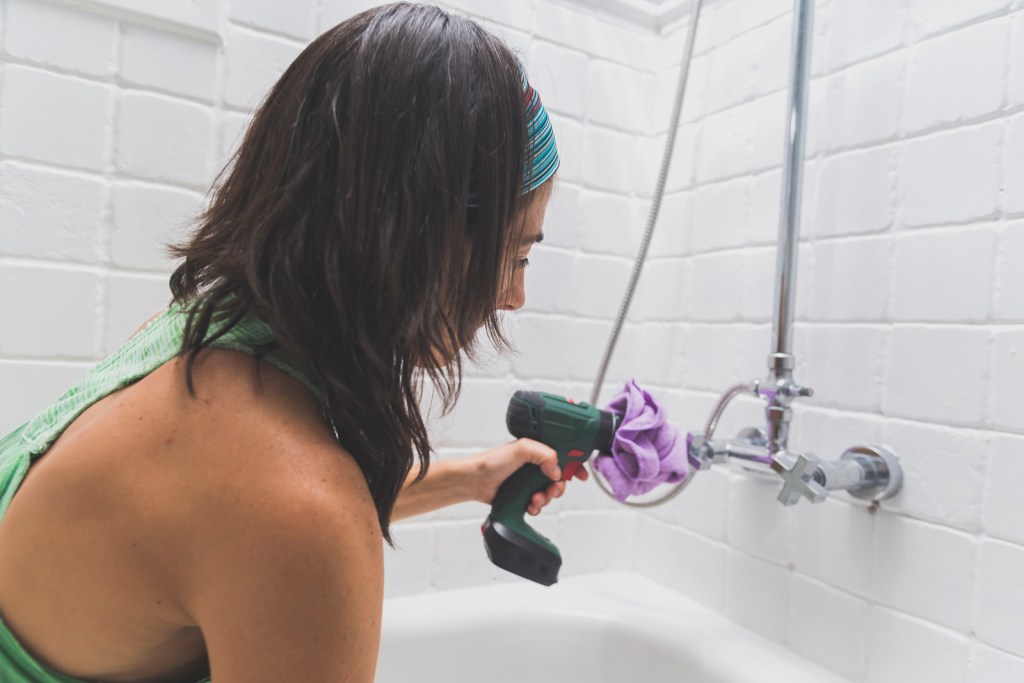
(781, 360)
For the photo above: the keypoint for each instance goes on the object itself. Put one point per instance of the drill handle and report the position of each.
(514, 494)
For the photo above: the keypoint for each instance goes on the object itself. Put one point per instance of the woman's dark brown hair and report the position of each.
(343, 222)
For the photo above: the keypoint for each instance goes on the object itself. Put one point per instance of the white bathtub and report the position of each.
(601, 628)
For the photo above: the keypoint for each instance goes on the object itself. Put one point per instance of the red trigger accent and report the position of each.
(570, 467)
(569, 471)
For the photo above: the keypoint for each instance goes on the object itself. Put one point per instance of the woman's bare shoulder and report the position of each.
(251, 455)
(258, 430)
(286, 553)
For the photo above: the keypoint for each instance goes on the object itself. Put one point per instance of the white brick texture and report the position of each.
(938, 67)
(131, 300)
(560, 75)
(833, 558)
(851, 280)
(863, 103)
(37, 123)
(254, 62)
(1000, 599)
(903, 648)
(49, 214)
(85, 44)
(952, 177)
(855, 31)
(293, 18)
(945, 473)
(915, 389)
(171, 63)
(829, 627)
(757, 595)
(1007, 372)
(929, 17)
(1013, 158)
(57, 309)
(163, 139)
(856, 193)
(146, 219)
(924, 569)
(1004, 507)
(930, 282)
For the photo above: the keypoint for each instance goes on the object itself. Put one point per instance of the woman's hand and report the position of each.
(491, 468)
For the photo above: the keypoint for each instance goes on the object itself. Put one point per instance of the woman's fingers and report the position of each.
(555, 490)
(539, 454)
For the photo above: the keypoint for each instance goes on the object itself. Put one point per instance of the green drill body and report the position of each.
(574, 431)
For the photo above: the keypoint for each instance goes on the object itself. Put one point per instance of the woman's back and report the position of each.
(133, 491)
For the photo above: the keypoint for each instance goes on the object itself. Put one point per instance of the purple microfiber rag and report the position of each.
(647, 450)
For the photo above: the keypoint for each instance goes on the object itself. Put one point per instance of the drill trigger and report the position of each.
(569, 471)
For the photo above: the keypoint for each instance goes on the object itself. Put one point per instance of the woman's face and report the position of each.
(513, 296)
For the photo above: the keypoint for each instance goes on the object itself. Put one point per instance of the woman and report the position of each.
(214, 495)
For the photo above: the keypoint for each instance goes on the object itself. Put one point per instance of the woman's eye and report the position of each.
(523, 262)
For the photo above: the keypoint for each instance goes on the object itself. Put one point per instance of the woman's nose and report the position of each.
(515, 294)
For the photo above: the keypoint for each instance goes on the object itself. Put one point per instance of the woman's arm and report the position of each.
(478, 477)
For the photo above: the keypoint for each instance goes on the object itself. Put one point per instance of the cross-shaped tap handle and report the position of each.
(798, 478)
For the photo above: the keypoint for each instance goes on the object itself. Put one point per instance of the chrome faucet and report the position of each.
(869, 472)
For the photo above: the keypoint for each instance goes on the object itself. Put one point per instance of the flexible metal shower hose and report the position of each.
(641, 257)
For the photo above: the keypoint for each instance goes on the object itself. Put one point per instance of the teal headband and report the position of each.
(541, 160)
(542, 154)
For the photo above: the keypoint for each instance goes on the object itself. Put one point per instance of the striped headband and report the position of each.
(541, 160)
(542, 153)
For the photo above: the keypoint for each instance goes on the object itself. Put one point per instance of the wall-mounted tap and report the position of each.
(867, 472)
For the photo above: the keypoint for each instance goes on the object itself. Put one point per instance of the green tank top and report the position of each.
(150, 348)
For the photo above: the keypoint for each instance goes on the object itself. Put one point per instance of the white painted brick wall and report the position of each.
(145, 218)
(904, 648)
(952, 177)
(1000, 600)
(910, 304)
(924, 569)
(1004, 507)
(930, 282)
(930, 17)
(86, 43)
(50, 214)
(170, 63)
(757, 594)
(938, 67)
(855, 193)
(60, 303)
(862, 104)
(1007, 366)
(854, 31)
(253, 62)
(830, 627)
(179, 155)
(914, 388)
(910, 288)
(37, 123)
(293, 19)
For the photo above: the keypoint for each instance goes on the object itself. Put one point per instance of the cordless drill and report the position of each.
(574, 430)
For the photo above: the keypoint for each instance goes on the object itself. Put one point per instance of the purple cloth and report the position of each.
(646, 451)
